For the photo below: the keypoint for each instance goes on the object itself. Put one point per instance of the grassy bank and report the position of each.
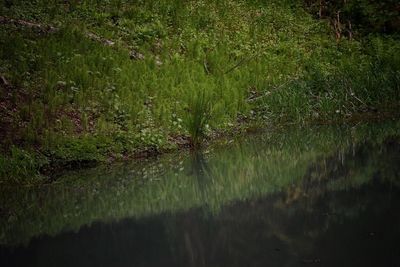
(89, 81)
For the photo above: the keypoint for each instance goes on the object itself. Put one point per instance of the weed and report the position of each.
(198, 116)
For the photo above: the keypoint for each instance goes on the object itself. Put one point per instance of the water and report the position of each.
(326, 196)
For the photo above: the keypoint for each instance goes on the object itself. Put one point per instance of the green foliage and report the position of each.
(204, 66)
(79, 150)
(18, 163)
(198, 116)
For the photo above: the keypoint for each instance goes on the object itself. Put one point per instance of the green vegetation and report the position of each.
(298, 161)
(89, 81)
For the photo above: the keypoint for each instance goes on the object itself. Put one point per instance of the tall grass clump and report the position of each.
(198, 116)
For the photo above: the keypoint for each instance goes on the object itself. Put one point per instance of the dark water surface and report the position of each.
(325, 196)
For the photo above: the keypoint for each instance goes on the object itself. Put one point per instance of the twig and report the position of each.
(3, 80)
(50, 29)
(273, 89)
(100, 39)
(243, 60)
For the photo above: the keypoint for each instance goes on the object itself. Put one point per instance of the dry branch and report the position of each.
(29, 24)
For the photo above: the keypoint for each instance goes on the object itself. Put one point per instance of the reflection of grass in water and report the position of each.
(249, 169)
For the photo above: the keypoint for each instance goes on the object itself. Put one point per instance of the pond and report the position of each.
(319, 196)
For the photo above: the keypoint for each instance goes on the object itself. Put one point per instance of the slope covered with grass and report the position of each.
(85, 81)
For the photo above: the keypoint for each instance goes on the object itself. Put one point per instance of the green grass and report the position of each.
(72, 95)
(199, 114)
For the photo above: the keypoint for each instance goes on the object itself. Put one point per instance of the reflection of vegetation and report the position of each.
(270, 230)
(299, 162)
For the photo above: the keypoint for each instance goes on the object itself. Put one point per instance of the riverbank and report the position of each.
(53, 168)
(83, 83)
(293, 163)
